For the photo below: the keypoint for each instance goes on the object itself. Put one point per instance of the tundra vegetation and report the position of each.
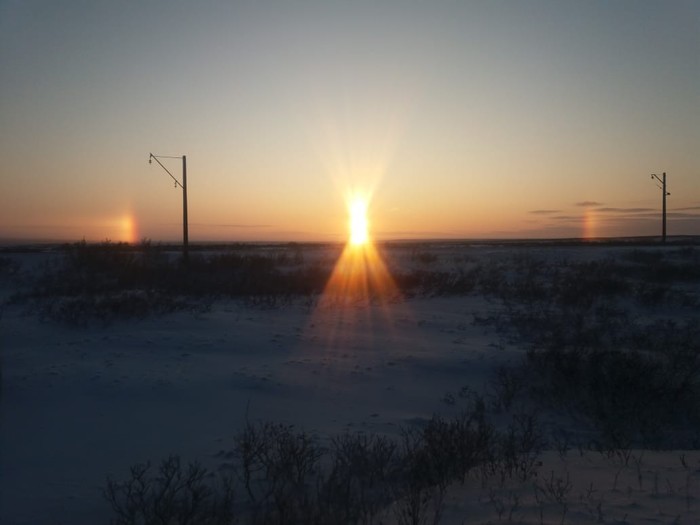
(612, 367)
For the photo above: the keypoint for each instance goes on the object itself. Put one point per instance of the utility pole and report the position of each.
(183, 185)
(662, 180)
(185, 240)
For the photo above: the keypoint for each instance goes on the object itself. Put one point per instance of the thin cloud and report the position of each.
(682, 215)
(416, 234)
(625, 210)
(544, 212)
(567, 218)
(199, 225)
(588, 204)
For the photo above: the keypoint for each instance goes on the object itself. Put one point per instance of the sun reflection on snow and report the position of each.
(359, 310)
(355, 313)
(359, 276)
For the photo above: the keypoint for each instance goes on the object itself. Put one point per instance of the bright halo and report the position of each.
(358, 222)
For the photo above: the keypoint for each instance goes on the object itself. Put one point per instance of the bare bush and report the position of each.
(174, 495)
(286, 477)
(358, 485)
(279, 469)
(420, 487)
(518, 449)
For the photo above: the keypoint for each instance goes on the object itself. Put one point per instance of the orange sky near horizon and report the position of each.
(471, 120)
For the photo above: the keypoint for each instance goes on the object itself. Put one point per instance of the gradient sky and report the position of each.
(459, 119)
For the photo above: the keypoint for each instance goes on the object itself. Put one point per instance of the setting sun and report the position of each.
(359, 274)
(358, 222)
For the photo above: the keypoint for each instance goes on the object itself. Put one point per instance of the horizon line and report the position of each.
(18, 243)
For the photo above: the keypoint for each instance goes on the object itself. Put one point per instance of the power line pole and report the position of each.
(183, 185)
(185, 240)
(663, 208)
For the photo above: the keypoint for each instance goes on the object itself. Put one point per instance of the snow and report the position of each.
(81, 404)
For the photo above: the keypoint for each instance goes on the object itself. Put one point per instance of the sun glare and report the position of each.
(358, 222)
(359, 273)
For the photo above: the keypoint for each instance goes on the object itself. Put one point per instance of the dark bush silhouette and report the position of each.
(283, 475)
(173, 495)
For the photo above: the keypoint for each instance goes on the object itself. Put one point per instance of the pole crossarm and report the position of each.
(183, 186)
(156, 157)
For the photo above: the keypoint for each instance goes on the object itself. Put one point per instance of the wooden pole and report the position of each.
(663, 220)
(185, 246)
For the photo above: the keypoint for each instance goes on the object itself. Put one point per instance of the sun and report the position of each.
(358, 222)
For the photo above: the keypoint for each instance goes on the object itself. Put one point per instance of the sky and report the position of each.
(454, 119)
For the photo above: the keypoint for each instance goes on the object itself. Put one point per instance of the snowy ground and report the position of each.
(79, 404)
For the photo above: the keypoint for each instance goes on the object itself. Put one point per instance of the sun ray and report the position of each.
(359, 274)
(360, 297)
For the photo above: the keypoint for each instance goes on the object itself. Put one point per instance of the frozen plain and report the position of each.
(83, 403)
